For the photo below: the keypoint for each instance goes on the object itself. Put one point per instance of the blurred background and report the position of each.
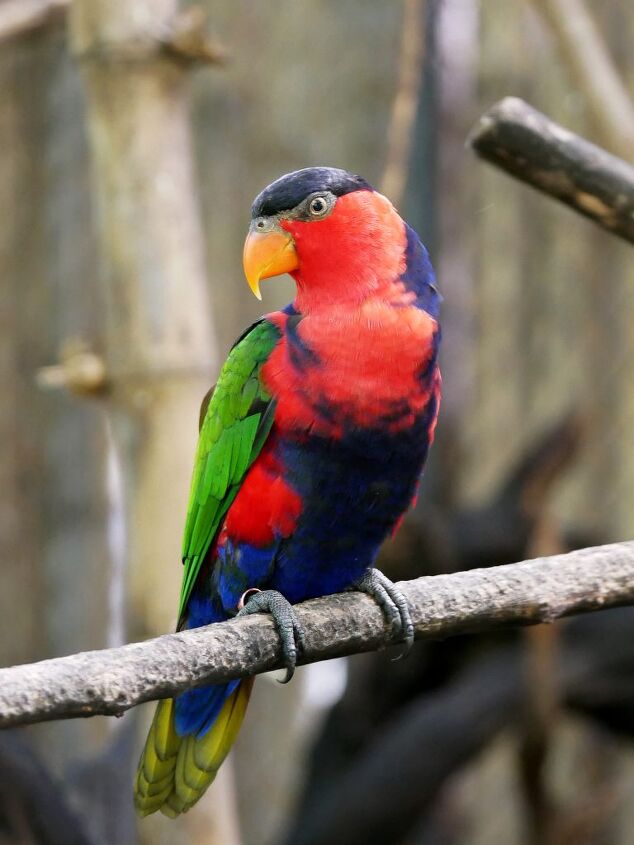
(125, 182)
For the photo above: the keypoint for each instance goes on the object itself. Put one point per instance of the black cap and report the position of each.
(289, 190)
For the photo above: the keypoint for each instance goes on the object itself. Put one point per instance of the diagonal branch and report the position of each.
(525, 143)
(113, 680)
(592, 70)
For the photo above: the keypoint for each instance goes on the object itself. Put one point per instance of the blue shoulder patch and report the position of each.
(419, 274)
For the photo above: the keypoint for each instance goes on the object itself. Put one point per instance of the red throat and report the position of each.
(356, 252)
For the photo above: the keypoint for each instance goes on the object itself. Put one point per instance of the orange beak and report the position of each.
(267, 254)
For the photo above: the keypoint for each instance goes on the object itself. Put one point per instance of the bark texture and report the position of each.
(111, 681)
(525, 143)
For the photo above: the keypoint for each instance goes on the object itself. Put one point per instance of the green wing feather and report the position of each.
(234, 426)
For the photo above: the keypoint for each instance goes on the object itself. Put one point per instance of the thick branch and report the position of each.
(113, 680)
(525, 143)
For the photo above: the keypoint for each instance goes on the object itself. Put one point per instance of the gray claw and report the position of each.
(286, 622)
(391, 601)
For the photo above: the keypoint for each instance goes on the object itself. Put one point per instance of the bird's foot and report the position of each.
(391, 601)
(286, 622)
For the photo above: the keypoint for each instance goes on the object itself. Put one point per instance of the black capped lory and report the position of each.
(311, 446)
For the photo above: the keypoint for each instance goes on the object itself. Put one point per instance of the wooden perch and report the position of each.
(525, 143)
(113, 680)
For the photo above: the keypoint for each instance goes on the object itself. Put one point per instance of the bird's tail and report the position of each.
(174, 771)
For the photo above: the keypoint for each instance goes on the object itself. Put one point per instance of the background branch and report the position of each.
(525, 143)
(113, 680)
(592, 70)
(401, 128)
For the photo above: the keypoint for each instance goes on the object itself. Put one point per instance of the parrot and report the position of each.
(310, 449)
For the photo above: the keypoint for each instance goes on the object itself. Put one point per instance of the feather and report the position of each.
(191, 762)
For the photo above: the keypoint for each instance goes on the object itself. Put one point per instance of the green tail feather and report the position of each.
(174, 771)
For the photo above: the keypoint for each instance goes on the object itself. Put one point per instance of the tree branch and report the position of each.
(592, 70)
(525, 143)
(111, 681)
(404, 106)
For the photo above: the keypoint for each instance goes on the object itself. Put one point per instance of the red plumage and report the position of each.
(266, 506)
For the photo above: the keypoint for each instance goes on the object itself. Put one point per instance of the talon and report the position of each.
(392, 602)
(287, 624)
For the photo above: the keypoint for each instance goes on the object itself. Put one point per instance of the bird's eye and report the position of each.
(261, 224)
(318, 206)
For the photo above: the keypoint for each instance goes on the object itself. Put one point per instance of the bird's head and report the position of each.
(337, 237)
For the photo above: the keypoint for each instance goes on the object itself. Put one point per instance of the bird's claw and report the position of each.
(391, 601)
(287, 624)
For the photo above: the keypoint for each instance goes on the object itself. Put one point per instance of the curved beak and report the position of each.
(267, 254)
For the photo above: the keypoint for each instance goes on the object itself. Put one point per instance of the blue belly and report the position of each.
(354, 491)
